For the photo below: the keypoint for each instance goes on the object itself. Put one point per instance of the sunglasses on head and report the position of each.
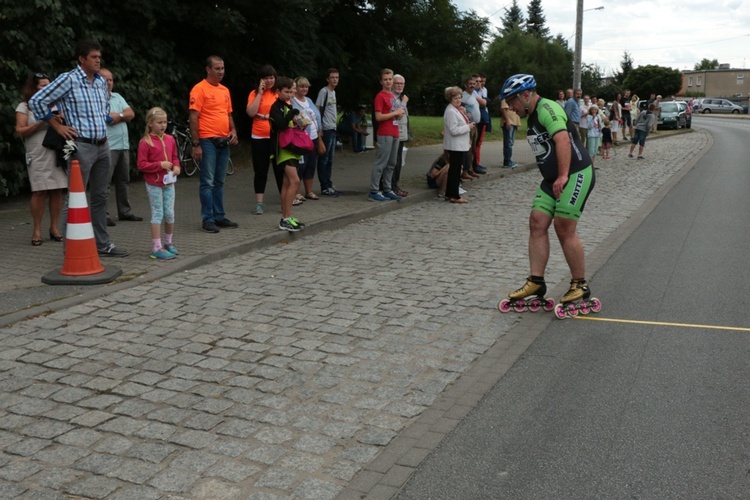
(40, 76)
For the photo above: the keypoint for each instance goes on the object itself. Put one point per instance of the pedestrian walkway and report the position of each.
(317, 367)
(23, 265)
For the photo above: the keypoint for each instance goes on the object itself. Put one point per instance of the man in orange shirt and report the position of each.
(212, 131)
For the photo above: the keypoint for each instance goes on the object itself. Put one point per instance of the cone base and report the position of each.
(109, 274)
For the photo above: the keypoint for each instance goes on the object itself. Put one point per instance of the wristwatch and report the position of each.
(122, 117)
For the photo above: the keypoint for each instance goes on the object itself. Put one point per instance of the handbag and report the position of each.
(295, 140)
(54, 141)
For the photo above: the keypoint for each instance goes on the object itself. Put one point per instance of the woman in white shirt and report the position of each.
(456, 131)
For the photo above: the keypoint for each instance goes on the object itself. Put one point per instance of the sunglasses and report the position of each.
(40, 76)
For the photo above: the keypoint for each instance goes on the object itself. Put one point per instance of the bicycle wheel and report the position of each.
(230, 167)
(191, 167)
(184, 152)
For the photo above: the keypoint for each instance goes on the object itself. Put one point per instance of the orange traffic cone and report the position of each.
(81, 255)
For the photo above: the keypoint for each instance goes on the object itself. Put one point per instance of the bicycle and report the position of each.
(181, 133)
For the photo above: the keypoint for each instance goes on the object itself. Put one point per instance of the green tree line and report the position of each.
(157, 51)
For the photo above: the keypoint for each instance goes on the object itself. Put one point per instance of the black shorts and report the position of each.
(626, 119)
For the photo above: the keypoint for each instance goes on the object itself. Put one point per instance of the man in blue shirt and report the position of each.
(572, 106)
(82, 97)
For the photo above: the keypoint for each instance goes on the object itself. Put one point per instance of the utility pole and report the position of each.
(579, 39)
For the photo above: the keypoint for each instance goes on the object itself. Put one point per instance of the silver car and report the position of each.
(711, 105)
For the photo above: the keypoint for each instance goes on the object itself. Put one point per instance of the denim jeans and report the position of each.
(213, 172)
(325, 161)
(509, 137)
(358, 142)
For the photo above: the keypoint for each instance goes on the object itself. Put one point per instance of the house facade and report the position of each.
(722, 82)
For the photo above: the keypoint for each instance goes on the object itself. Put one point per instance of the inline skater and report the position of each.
(568, 178)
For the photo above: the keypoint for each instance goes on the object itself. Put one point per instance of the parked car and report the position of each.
(673, 115)
(712, 105)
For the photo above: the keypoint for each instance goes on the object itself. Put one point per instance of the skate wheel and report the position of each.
(560, 311)
(549, 305)
(573, 311)
(520, 306)
(584, 308)
(504, 306)
(596, 305)
(535, 305)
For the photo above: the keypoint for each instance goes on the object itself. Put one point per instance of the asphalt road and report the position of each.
(656, 408)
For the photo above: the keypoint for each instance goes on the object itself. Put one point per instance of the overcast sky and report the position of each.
(676, 34)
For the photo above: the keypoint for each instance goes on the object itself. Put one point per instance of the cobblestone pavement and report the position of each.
(286, 372)
(23, 266)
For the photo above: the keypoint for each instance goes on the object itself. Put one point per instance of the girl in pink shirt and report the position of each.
(158, 160)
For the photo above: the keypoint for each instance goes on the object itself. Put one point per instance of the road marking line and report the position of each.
(664, 323)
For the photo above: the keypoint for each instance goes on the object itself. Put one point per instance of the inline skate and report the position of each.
(530, 296)
(576, 300)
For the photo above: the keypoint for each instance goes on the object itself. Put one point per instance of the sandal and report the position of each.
(54, 237)
(36, 243)
(458, 200)
(299, 200)
(312, 196)
(401, 192)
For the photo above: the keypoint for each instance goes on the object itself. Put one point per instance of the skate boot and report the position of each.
(576, 300)
(530, 295)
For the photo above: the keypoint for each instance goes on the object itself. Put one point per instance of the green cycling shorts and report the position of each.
(573, 198)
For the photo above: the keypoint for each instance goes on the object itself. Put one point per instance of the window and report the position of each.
(698, 81)
(690, 81)
(740, 78)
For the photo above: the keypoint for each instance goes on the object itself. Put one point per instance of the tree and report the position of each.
(645, 80)
(518, 52)
(157, 51)
(591, 79)
(707, 64)
(513, 19)
(561, 41)
(626, 66)
(535, 20)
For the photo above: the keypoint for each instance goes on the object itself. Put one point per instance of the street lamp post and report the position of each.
(579, 39)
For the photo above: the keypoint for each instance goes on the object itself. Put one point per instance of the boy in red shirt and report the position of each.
(388, 110)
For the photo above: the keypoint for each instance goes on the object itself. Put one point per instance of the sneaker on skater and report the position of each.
(288, 225)
(530, 288)
(391, 195)
(378, 196)
(162, 254)
(579, 289)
